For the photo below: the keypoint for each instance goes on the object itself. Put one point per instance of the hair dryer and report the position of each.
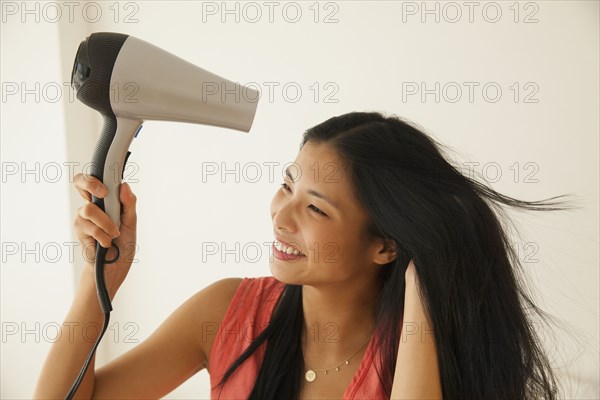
(151, 84)
(159, 86)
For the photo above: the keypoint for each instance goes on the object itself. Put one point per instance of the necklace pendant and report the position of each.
(310, 375)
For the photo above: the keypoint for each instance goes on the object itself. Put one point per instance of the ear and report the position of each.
(386, 252)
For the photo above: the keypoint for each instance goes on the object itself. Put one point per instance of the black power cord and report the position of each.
(104, 299)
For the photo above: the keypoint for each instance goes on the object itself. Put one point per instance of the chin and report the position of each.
(283, 272)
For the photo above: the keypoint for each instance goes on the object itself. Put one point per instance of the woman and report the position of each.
(385, 238)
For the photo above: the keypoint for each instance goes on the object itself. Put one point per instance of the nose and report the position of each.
(282, 214)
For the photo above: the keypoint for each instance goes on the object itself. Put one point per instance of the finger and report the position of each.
(90, 184)
(85, 194)
(128, 200)
(93, 213)
(88, 228)
(79, 186)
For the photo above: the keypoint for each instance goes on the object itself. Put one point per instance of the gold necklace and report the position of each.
(311, 373)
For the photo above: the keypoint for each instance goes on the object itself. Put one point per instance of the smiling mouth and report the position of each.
(284, 255)
(286, 248)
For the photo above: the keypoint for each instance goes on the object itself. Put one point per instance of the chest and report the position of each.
(331, 386)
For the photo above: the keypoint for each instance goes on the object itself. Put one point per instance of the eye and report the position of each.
(315, 209)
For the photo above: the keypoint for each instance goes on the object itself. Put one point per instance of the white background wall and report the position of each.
(369, 53)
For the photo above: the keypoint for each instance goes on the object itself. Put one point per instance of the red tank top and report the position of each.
(248, 314)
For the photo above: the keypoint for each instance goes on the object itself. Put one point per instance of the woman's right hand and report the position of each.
(93, 225)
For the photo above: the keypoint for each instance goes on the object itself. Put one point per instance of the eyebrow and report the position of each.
(314, 193)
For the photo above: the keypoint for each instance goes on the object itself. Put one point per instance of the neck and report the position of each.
(338, 319)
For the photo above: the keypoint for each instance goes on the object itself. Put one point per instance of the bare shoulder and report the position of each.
(176, 350)
(219, 294)
(213, 301)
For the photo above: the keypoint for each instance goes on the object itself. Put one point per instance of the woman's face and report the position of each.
(330, 236)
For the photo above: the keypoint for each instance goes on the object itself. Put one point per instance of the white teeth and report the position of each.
(287, 249)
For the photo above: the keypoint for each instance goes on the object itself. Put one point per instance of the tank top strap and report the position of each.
(246, 317)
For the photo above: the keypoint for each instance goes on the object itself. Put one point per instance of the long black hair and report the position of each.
(453, 228)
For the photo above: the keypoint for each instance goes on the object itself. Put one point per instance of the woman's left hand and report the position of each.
(412, 297)
(411, 275)
(416, 348)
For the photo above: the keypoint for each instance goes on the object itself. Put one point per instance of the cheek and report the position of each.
(326, 246)
(345, 249)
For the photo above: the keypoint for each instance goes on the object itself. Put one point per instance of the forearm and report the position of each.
(417, 372)
(80, 330)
